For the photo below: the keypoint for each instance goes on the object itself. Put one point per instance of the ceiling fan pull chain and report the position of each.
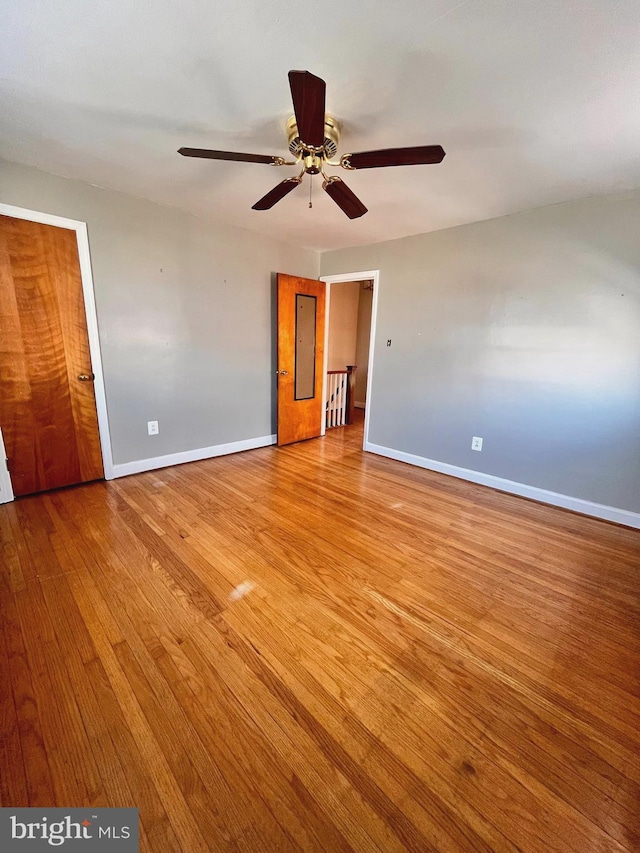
(310, 189)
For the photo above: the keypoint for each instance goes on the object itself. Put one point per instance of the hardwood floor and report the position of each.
(311, 648)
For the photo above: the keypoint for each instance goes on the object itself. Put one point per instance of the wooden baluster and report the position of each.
(345, 398)
(326, 410)
(333, 400)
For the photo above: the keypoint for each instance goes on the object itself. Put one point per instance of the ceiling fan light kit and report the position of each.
(313, 138)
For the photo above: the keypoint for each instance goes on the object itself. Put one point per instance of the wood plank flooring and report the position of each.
(311, 648)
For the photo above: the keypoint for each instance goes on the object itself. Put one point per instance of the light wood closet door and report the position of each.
(47, 404)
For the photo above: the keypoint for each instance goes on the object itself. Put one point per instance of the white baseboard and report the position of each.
(151, 464)
(609, 513)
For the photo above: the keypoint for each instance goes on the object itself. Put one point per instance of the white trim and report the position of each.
(90, 311)
(140, 465)
(609, 513)
(6, 489)
(367, 275)
(325, 364)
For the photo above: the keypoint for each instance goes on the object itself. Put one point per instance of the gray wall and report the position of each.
(524, 330)
(184, 312)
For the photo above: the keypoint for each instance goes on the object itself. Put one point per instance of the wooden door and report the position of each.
(47, 404)
(301, 318)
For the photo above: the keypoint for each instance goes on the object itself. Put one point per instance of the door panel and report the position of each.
(301, 318)
(47, 414)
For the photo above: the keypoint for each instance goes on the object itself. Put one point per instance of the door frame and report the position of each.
(367, 275)
(84, 256)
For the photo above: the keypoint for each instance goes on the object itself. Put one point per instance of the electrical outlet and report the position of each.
(152, 427)
(476, 443)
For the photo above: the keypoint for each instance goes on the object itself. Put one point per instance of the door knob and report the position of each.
(282, 372)
(86, 377)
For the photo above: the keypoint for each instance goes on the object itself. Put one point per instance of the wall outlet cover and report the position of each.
(476, 443)
(152, 427)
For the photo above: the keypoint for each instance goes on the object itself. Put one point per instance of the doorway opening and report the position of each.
(349, 334)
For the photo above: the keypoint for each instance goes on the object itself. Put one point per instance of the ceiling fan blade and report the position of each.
(419, 155)
(276, 194)
(208, 154)
(308, 95)
(346, 200)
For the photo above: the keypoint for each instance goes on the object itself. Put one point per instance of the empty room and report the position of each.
(320, 426)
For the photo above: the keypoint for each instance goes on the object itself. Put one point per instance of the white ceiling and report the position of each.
(534, 101)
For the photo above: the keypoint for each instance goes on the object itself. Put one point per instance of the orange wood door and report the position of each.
(301, 318)
(47, 413)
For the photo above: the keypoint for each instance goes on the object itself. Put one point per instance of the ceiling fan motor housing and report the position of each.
(329, 145)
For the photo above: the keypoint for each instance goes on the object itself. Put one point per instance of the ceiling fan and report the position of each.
(313, 138)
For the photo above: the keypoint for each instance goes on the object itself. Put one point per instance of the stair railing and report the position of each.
(340, 396)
